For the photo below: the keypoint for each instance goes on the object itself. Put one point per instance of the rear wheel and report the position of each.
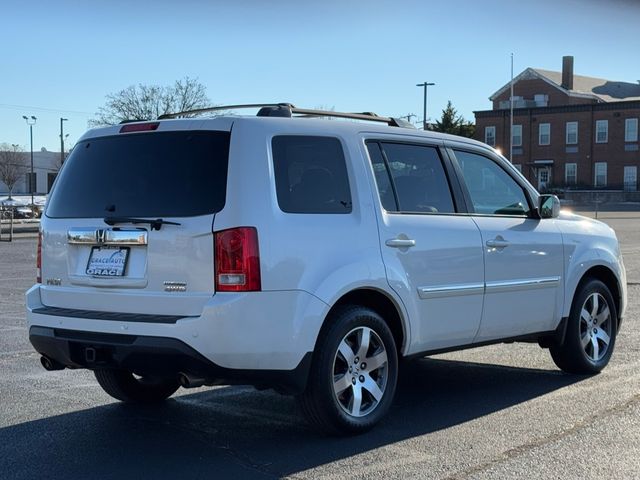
(124, 386)
(591, 331)
(354, 372)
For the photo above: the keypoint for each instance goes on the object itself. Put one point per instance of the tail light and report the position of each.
(237, 260)
(39, 258)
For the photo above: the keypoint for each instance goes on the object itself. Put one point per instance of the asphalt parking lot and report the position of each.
(503, 411)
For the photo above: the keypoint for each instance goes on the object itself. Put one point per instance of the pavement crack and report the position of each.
(534, 444)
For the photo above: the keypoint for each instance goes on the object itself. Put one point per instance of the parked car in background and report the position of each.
(309, 256)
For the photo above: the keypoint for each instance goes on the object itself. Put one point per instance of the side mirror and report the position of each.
(548, 206)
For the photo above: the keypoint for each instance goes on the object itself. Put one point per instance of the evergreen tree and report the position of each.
(452, 123)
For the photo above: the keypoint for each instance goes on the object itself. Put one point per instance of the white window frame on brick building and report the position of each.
(544, 134)
(602, 131)
(516, 134)
(490, 135)
(631, 130)
(600, 174)
(570, 173)
(572, 133)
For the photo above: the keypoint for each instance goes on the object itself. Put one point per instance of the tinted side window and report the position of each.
(311, 175)
(419, 178)
(492, 190)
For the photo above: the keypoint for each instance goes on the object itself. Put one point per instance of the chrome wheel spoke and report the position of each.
(365, 339)
(372, 387)
(341, 384)
(346, 352)
(377, 361)
(603, 316)
(596, 348)
(603, 337)
(585, 340)
(356, 403)
(594, 305)
(585, 316)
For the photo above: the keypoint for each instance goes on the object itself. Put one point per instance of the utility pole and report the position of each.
(31, 121)
(424, 106)
(62, 140)
(408, 116)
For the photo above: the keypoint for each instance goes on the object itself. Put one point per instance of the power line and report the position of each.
(42, 109)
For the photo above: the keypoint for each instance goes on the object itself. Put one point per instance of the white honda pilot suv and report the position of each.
(309, 256)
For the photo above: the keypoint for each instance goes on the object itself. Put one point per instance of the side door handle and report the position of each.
(400, 242)
(497, 242)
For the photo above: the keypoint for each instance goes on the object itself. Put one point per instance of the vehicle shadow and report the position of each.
(237, 431)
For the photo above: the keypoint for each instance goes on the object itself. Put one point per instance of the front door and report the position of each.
(544, 177)
(523, 255)
(432, 256)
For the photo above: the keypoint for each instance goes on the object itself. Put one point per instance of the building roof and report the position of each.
(586, 87)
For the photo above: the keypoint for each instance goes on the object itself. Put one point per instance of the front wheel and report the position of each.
(124, 386)
(591, 331)
(353, 375)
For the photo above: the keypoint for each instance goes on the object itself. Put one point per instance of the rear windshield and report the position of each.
(160, 174)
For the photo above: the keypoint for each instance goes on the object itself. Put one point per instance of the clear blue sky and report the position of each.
(61, 58)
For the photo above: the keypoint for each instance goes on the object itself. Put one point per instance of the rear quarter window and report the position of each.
(310, 175)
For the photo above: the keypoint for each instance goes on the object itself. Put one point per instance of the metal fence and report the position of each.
(6, 224)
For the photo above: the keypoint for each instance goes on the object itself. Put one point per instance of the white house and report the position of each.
(45, 168)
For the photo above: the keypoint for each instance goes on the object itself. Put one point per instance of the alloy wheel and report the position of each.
(595, 327)
(360, 371)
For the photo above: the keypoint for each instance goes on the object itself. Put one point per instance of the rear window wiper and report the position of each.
(155, 224)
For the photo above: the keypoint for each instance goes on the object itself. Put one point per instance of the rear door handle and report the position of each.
(400, 242)
(497, 243)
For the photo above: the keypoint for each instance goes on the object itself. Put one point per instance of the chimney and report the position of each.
(567, 72)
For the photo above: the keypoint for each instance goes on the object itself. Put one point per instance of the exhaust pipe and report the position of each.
(189, 381)
(50, 364)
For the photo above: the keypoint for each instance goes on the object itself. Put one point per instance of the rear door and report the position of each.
(432, 254)
(128, 226)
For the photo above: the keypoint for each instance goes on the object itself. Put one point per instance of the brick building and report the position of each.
(569, 131)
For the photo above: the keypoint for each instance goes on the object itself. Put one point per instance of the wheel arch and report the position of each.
(609, 278)
(387, 307)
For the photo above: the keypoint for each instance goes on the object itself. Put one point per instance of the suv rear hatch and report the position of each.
(128, 226)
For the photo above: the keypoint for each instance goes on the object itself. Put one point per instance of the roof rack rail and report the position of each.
(289, 110)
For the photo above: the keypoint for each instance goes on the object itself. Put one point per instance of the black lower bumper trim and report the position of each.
(113, 316)
(155, 356)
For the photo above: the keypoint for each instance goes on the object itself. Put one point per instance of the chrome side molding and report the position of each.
(102, 236)
(451, 291)
(516, 285)
(489, 287)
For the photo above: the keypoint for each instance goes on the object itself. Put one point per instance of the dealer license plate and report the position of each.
(107, 261)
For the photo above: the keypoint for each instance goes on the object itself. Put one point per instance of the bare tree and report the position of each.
(13, 165)
(148, 102)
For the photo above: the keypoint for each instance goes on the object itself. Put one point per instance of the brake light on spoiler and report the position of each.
(237, 260)
(139, 127)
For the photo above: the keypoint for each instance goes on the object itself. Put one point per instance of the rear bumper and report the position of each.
(154, 356)
(269, 331)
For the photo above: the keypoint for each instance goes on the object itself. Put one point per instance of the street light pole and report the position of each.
(424, 106)
(62, 140)
(31, 121)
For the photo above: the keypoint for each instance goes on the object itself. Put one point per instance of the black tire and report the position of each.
(326, 410)
(122, 385)
(571, 356)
